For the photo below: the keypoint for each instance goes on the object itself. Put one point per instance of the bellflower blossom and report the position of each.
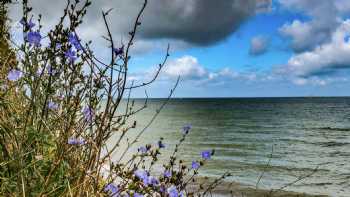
(14, 75)
(160, 144)
(143, 149)
(88, 114)
(52, 105)
(118, 51)
(58, 45)
(29, 25)
(34, 38)
(186, 129)
(137, 195)
(206, 154)
(167, 174)
(76, 141)
(50, 70)
(74, 40)
(162, 189)
(112, 189)
(71, 55)
(195, 165)
(39, 72)
(153, 181)
(142, 175)
(172, 191)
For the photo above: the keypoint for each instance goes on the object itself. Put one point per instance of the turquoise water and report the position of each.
(304, 132)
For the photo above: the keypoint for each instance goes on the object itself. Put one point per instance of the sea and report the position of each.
(280, 141)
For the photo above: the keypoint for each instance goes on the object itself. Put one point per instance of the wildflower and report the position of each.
(195, 165)
(167, 174)
(347, 38)
(76, 141)
(14, 75)
(186, 129)
(88, 114)
(23, 22)
(172, 191)
(50, 70)
(29, 25)
(162, 189)
(206, 154)
(112, 189)
(52, 105)
(153, 181)
(143, 149)
(71, 55)
(137, 195)
(118, 51)
(142, 175)
(58, 45)
(74, 40)
(39, 71)
(160, 144)
(34, 38)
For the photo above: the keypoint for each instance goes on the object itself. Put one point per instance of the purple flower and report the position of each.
(76, 141)
(167, 173)
(29, 25)
(143, 149)
(118, 51)
(142, 175)
(23, 22)
(88, 114)
(160, 144)
(186, 129)
(347, 38)
(34, 38)
(71, 55)
(50, 70)
(14, 75)
(39, 71)
(162, 189)
(153, 181)
(206, 154)
(195, 165)
(172, 191)
(52, 105)
(58, 45)
(74, 40)
(112, 189)
(137, 195)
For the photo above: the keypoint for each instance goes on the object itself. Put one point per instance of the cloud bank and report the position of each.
(190, 22)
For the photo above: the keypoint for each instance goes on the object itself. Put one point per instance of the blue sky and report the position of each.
(230, 48)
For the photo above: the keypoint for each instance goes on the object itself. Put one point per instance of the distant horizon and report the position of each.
(243, 97)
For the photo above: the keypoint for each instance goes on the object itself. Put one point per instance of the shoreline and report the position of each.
(240, 190)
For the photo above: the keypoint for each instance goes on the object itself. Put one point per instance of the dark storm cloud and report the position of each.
(198, 22)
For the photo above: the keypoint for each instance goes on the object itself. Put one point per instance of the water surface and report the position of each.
(304, 133)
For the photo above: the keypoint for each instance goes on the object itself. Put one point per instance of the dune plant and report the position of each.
(59, 107)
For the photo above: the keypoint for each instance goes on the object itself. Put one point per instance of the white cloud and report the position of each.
(258, 45)
(192, 71)
(318, 30)
(324, 60)
(187, 67)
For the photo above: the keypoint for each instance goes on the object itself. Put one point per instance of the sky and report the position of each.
(225, 48)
